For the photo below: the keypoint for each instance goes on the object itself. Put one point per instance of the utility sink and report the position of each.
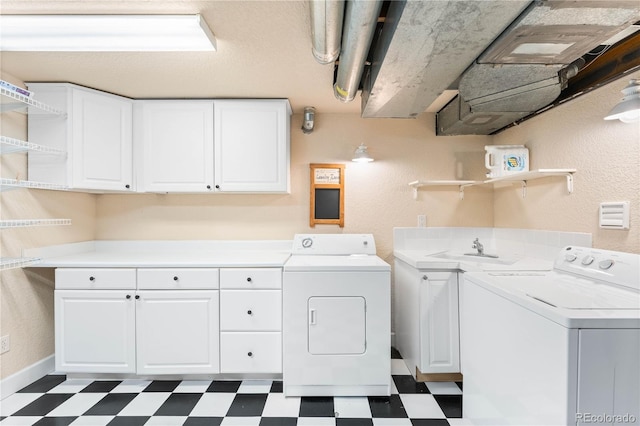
(473, 258)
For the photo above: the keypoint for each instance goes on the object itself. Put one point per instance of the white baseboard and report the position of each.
(26, 376)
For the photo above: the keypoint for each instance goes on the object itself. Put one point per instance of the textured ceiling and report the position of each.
(264, 51)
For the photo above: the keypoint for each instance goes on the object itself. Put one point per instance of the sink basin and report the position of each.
(473, 258)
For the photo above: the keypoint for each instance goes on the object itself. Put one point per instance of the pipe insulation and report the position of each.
(326, 29)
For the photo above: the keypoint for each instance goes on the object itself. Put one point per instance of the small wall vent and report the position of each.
(614, 215)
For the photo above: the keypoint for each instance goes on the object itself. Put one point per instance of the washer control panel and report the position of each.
(611, 266)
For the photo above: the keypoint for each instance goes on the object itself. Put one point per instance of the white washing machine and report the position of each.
(336, 317)
(560, 347)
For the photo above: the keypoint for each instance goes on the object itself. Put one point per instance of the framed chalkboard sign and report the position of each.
(327, 194)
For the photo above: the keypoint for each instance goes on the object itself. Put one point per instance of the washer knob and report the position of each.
(588, 260)
(570, 257)
(605, 264)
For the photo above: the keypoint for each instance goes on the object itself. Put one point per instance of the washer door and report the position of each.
(337, 325)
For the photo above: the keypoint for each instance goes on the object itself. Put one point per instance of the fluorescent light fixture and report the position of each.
(361, 155)
(628, 109)
(105, 33)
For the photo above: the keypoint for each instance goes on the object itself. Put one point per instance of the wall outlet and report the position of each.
(5, 344)
(422, 220)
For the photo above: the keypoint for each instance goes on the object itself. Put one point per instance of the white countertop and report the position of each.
(434, 259)
(163, 254)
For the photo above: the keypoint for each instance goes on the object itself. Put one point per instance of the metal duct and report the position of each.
(525, 69)
(423, 48)
(360, 22)
(326, 29)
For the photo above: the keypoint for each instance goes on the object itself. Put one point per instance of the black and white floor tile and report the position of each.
(54, 400)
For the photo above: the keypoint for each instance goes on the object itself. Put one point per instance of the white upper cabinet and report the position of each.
(252, 145)
(96, 133)
(175, 143)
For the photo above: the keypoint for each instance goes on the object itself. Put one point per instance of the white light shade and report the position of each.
(628, 109)
(105, 33)
(361, 155)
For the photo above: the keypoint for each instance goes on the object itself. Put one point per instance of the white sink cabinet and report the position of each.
(426, 319)
(144, 321)
(96, 134)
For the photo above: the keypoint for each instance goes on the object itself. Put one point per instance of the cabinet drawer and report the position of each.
(177, 278)
(250, 352)
(95, 278)
(249, 310)
(251, 278)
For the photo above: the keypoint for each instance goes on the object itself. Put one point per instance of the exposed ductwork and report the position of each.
(326, 29)
(526, 68)
(507, 58)
(360, 21)
(423, 48)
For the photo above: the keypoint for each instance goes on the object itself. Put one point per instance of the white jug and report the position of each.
(502, 160)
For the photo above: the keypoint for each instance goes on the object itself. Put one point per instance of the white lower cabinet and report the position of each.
(426, 317)
(251, 320)
(137, 331)
(95, 331)
(177, 332)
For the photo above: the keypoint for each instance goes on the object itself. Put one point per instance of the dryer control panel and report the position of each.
(612, 267)
(333, 244)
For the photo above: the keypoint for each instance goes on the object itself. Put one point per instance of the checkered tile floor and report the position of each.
(54, 400)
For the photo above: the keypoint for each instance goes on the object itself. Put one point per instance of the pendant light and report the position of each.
(361, 155)
(628, 109)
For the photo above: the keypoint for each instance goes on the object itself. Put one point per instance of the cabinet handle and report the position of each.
(424, 277)
(137, 296)
(128, 296)
(217, 186)
(175, 278)
(249, 354)
(127, 186)
(249, 312)
(208, 186)
(92, 278)
(248, 279)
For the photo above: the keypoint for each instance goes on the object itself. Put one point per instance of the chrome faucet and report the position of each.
(478, 246)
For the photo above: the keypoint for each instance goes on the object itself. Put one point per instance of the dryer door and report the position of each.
(337, 325)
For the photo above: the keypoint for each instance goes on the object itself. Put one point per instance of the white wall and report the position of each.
(606, 155)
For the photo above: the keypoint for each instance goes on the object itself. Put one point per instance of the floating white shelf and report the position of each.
(17, 262)
(9, 184)
(459, 183)
(22, 102)
(21, 223)
(521, 178)
(11, 145)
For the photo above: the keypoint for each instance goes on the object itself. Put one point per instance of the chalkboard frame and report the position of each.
(325, 207)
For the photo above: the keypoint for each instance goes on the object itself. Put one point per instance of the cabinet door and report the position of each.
(439, 330)
(95, 331)
(177, 144)
(102, 141)
(252, 145)
(177, 332)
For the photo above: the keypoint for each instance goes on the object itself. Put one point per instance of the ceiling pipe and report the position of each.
(361, 17)
(326, 29)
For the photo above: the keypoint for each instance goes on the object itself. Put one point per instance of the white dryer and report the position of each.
(336, 317)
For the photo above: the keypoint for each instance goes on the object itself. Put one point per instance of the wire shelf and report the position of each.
(22, 223)
(24, 101)
(10, 145)
(17, 262)
(9, 184)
